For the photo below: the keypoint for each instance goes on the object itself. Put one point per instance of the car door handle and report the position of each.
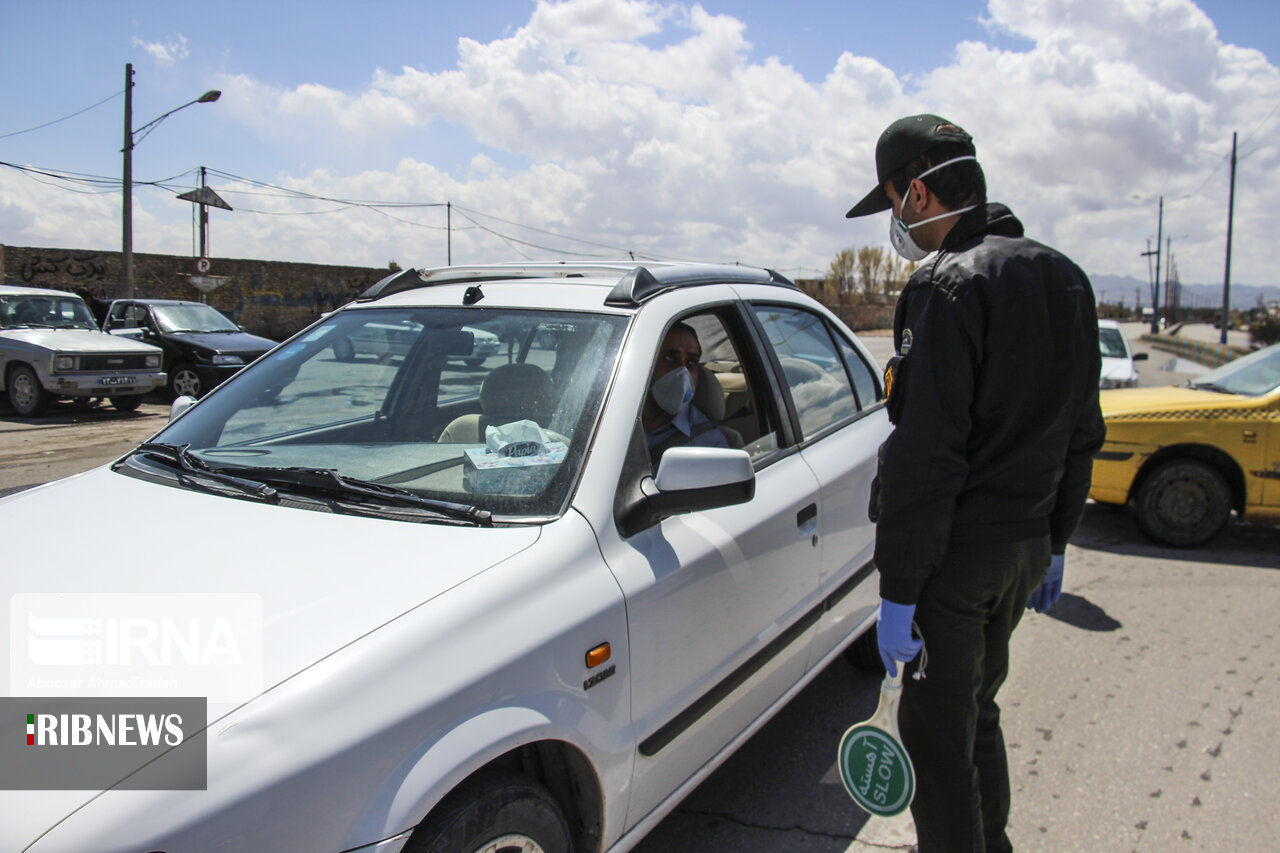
(806, 515)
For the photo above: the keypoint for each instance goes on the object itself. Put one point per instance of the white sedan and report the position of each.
(450, 609)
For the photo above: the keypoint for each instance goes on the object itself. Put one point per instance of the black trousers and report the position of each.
(950, 721)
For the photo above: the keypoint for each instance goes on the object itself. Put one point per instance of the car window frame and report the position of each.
(797, 433)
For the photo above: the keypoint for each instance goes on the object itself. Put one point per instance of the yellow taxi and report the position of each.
(1184, 458)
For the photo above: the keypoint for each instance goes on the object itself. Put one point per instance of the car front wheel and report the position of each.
(864, 652)
(504, 813)
(1184, 503)
(184, 381)
(126, 403)
(26, 394)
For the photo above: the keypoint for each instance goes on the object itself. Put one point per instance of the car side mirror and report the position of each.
(180, 405)
(1140, 356)
(691, 479)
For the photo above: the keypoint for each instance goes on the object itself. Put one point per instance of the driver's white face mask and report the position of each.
(673, 391)
(900, 231)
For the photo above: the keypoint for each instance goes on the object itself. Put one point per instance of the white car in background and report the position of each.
(487, 622)
(50, 347)
(1118, 370)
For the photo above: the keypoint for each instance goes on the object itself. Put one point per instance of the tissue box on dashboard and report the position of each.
(485, 472)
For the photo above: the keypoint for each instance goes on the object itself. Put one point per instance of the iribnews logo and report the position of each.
(135, 743)
(104, 729)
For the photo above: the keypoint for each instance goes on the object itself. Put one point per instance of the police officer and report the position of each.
(993, 393)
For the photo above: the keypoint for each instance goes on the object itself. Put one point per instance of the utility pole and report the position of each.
(1226, 276)
(1155, 297)
(126, 245)
(204, 218)
(126, 242)
(448, 221)
(1170, 282)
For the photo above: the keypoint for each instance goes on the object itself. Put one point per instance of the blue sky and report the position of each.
(725, 131)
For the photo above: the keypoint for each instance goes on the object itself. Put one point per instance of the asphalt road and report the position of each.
(1140, 715)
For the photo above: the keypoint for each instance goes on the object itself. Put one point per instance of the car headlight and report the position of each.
(64, 362)
(153, 360)
(223, 358)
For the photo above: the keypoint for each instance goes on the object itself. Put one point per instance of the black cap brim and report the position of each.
(873, 202)
(900, 144)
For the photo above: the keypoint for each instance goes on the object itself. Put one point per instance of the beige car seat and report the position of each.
(708, 397)
(511, 392)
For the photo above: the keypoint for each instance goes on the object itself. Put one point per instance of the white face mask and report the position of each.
(673, 391)
(900, 231)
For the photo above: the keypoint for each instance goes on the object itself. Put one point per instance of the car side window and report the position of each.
(735, 380)
(813, 370)
(864, 379)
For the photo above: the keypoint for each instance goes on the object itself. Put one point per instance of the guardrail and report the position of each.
(1201, 352)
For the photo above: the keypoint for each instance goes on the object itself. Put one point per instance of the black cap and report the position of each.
(902, 142)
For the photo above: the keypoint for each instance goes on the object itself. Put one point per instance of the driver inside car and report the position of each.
(670, 417)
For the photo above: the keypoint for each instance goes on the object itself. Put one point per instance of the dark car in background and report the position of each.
(202, 347)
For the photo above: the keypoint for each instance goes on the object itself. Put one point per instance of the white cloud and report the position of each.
(164, 53)
(654, 128)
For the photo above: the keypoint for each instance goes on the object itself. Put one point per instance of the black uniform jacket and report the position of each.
(994, 401)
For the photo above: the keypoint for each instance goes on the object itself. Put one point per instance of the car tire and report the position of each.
(1184, 504)
(864, 652)
(499, 813)
(184, 381)
(344, 350)
(127, 403)
(26, 394)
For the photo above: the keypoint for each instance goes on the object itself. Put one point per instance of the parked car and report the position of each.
(51, 348)
(487, 623)
(202, 347)
(1185, 458)
(388, 340)
(1118, 370)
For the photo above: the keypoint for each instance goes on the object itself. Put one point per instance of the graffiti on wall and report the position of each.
(57, 269)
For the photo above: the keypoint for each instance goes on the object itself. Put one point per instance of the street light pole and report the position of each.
(126, 247)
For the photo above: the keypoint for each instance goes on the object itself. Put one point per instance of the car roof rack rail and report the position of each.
(643, 283)
(636, 284)
(411, 279)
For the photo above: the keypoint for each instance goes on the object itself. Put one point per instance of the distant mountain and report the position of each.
(1114, 288)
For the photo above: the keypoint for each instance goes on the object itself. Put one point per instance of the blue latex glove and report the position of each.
(893, 631)
(1047, 595)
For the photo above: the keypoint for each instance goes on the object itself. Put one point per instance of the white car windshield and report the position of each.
(1112, 343)
(417, 400)
(24, 311)
(1252, 375)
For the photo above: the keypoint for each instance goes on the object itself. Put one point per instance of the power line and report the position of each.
(104, 185)
(64, 118)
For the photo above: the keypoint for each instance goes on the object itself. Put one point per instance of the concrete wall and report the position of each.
(269, 298)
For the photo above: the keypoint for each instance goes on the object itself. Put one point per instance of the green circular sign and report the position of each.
(876, 771)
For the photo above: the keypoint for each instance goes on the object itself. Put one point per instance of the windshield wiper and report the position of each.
(182, 455)
(330, 481)
(1208, 386)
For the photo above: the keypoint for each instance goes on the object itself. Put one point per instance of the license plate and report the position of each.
(116, 380)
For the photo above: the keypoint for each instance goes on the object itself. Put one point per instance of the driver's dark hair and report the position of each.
(958, 185)
(682, 326)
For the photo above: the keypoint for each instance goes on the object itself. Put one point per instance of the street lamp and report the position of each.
(130, 135)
